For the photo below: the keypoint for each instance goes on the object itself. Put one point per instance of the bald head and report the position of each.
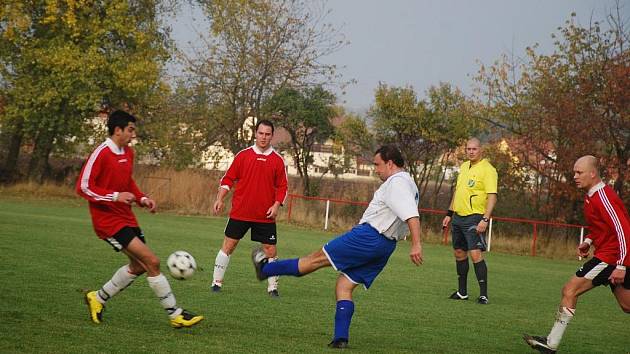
(473, 150)
(586, 171)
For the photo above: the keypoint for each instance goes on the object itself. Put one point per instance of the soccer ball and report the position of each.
(181, 265)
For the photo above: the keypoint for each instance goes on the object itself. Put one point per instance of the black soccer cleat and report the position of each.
(215, 288)
(482, 300)
(339, 343)
(538, 343)
(457, 296)
(274, 293)
(259, 259)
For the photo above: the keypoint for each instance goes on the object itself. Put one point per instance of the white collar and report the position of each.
(113, 147)
(260, 152)
(595, 188)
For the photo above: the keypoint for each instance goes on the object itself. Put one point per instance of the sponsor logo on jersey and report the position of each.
(122, 160)
(471, 183)
(261, 159)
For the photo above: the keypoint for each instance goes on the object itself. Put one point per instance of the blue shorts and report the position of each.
(360, 254)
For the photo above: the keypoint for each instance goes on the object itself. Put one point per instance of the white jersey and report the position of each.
(395, 201)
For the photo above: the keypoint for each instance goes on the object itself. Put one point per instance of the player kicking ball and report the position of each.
(106, 182)
(361, 253)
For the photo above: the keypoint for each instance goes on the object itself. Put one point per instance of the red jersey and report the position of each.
(609, 225)
(107, 172)
(261, 180)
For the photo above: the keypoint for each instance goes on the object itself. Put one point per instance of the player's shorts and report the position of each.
(360, 254)
(263, 232)
(464, 233)
(123, 237)
(598, 272)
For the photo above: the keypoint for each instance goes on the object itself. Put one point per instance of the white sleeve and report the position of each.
(401, 199)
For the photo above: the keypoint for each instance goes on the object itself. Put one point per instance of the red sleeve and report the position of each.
(86, 185)
(232, 173)
(281, 182)
(616, 218)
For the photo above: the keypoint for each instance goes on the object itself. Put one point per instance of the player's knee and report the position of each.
(153, 264)
(136, 269)
(270, 250)
(568, 291)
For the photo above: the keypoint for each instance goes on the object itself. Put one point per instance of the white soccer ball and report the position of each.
(181, 265)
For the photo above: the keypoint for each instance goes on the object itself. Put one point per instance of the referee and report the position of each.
(471, 208)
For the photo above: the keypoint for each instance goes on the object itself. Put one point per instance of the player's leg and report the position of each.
(179, 317)
(476, 244)
(120, 280)
(234, 231)
(622, 293)
(266, 234)
(460, 248)
(593, 273)
(343, 311)
(272, 282)
(295, 266)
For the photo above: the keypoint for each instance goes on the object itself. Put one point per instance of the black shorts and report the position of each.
(263, 232)
(123, 237)
(464, 233)
(598, 272)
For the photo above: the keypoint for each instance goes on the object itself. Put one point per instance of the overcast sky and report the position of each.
(425, 42)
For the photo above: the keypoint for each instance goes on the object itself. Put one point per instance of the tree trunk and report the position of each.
(13, 152)
(38, 168)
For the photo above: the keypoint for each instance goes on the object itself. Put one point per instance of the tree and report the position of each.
(425, 131)
(60, 60)
(254, 48)
(564, 105)
(306, 115)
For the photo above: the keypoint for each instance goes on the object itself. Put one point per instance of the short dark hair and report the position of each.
(391, 153)
(264, 122)
(119, 119)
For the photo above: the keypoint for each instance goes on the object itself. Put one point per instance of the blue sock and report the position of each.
(283, 267)
(343, 316)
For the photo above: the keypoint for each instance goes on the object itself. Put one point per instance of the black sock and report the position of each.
(462, 276)
(481, 270)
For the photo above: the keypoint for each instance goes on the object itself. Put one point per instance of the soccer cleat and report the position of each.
(274, 293)
(185, 319)
(215, 288)
(95, 307)
(483, 300)
(340, 343)
(538, 343)
(457, 296)
(259, 259)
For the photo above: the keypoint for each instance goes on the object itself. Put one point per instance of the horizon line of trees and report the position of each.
(62, 62)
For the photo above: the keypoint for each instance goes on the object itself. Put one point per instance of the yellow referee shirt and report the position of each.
(473, 186)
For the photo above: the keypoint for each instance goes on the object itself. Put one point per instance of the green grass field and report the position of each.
(50, 255)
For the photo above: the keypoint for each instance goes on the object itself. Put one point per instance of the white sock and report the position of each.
(119, 281)
(162, 290)
(563, 316)
(220, 265)
(273, 281)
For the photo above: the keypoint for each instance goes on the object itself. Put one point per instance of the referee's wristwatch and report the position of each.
(485, 219)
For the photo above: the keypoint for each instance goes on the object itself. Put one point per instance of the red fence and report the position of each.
(534, 223)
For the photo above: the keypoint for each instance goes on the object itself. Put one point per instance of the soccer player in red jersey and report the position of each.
(259, 179)
(106, 182)
(609, 227)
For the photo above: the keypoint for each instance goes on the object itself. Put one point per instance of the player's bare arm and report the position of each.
(218, 203)
(415, 254)
(490, 203)
(272, 212)
(149, 204)
(126, 197)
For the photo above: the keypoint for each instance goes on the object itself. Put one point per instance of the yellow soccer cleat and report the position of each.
(95, 307)
(185, 319)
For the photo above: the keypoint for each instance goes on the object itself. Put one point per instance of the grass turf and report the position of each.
(50, 256)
